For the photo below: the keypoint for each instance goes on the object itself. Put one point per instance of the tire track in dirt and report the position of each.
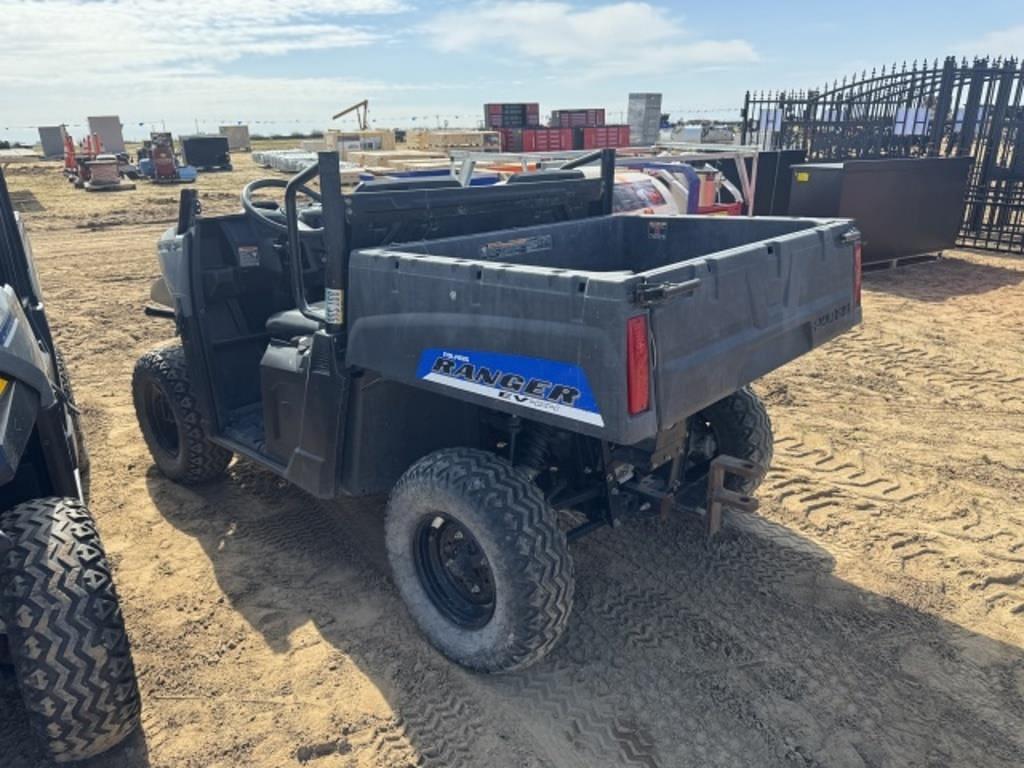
(901, 360)
(790, 660)
(822, 489)
(439, 721)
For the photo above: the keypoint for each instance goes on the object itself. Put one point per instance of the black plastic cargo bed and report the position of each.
(539, 321)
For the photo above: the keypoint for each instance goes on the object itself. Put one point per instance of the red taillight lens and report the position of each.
(856, 272)
(638, 362)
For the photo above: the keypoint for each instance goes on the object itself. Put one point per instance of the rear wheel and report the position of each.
(479, 559)
(737, 425)
(65, 630)
(170, 423)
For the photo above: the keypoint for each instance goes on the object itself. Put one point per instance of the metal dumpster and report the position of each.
(903, 207)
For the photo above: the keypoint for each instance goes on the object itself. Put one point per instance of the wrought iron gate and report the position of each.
(927, 110)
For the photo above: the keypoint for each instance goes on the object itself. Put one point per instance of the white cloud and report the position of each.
(110, 41)
(625, 38)
(1008, 41)
(150, 59)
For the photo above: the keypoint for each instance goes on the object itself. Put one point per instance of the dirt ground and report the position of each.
(872, 615)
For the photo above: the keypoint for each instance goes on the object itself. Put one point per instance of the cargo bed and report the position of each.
(616, 326)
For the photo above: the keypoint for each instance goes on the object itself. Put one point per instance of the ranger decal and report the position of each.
(531, 382)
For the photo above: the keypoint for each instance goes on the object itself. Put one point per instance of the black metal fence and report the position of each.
(936, 109)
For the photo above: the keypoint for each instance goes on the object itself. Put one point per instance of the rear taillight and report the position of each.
(638, 365)
(856, 272)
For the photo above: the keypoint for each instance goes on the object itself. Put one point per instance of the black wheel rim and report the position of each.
(454, 571)
(161, 419)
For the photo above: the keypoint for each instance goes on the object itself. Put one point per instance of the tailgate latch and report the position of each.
(653, 293)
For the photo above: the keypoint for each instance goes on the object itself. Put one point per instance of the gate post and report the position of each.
(942, 104)
(991, 143)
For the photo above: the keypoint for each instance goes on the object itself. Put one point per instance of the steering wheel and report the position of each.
(274, 218)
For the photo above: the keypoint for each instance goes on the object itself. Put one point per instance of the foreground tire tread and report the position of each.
(513, 510)
(65, 629)
(199, 460)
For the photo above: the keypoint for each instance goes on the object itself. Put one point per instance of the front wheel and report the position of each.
(478, 557)
(65, 631)
(166, 409)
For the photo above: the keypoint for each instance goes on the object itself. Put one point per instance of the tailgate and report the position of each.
(751, 310)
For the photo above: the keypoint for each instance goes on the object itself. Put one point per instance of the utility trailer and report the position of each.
(491, 356)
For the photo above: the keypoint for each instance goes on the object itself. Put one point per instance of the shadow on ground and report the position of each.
(746, 652)
(946, 278)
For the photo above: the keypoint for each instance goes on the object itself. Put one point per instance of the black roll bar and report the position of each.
(327, 168)
(607, 158)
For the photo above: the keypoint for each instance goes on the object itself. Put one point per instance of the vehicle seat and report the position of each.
(291, 323)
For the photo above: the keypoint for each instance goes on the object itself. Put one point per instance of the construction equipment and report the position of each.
(105, 175)
(80, 165)
(362, 111)
(159, 163)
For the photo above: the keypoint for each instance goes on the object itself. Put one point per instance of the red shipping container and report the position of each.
(511, 139)
(511, 115)
(577, 118)
(547, 139)
(606, 136)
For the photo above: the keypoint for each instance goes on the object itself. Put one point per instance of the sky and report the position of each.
(284, 66)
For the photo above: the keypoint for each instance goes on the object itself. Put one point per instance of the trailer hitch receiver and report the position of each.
(719, 496)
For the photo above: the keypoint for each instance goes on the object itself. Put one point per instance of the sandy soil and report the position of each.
(872, 615)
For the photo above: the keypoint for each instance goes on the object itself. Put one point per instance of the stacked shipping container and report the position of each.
(644, 116)
(605, 136)
(563, 139)
(570, 129)
(511, 139)
(547, 140)
(509, 115)
(576, 118)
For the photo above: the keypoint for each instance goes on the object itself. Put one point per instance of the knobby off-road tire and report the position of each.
(742, 428)
(505, 514)
(76, 422)
(170, 423)
(65, 630)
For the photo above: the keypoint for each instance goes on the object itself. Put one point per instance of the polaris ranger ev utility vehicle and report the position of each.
(60, 623)
(489, 355)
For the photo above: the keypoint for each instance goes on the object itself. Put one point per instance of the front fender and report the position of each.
(21, 357)
(19, 409)
(160, 294)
